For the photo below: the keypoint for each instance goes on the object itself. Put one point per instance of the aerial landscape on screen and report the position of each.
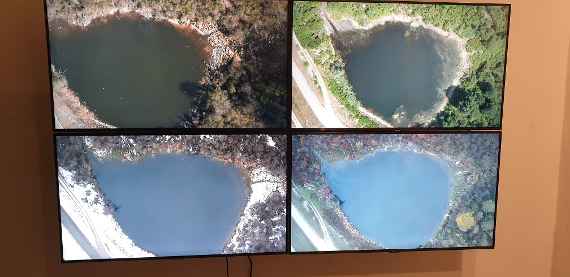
(171, 195)
(398, 65)
(393, 191)
(168, 64)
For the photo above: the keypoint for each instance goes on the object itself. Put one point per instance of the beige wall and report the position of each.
(533, 228)
(561, 259)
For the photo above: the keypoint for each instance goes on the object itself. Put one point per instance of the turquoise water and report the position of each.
(174, 205)
(396, 199)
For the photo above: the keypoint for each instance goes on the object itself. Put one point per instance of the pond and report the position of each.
(404, 71)
(131, 72)
(172, 204)
(396, 199)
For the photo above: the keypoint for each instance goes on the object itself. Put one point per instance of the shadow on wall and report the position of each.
(561, 252)
(441, 263)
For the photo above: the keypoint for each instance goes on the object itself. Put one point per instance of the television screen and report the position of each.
(398, 65)
(394, 191)
(171, 195)
(168, 64)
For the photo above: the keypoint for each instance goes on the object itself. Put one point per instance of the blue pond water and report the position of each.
(396, 199)
(174, 204)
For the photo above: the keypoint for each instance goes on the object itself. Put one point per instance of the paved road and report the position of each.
(326, 117)
(321, 243)
(296, 122)
(324, 113)
(79, 237)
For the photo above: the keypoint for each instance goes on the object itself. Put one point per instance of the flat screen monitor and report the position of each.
(194, 128)
(370, 192)
(168, 64)
(398, 64)
(143, 196)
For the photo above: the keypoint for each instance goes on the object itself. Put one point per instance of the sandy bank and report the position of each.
(69, 112)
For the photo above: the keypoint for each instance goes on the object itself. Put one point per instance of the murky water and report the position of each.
(403, 71)
(130, 71)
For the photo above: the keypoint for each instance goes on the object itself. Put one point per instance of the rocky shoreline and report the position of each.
(221, 51)
(255, 159)
(69, 111)
(244, 84)
(349, 34)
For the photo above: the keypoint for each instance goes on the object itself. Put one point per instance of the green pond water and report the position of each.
(403, 70)
(131, 72)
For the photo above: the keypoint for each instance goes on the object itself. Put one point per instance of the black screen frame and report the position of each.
(289, 132)
(148, 133)
(400, 132)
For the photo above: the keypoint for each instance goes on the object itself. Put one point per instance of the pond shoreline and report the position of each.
(221, 52)
(69, 111)
(217, 50)
(263, 178)
(454, 191)
(226, 176)
(348, 25)
(444, 165)
(470, 178)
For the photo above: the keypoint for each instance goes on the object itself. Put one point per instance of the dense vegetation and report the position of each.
(251, 89)
(474, 157)
(475, 103)
(309, 30)
(247, 90)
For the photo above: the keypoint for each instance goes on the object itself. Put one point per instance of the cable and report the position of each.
(250, 266)
(227, 266)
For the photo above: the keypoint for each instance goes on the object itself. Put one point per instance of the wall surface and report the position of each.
(560, 267)
(530, 241)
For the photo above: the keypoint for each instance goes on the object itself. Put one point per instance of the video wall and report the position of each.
(216, 128)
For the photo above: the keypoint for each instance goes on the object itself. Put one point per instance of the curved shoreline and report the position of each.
(348, 24)
(471, 179)
(66, 100)
(455, 193)
(262, 179)
(115, 242)
(83, 116)
(221, 52)
(218, 50)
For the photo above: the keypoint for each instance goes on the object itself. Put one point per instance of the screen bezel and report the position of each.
(376, 132)
(289, 132)
(194, 133)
